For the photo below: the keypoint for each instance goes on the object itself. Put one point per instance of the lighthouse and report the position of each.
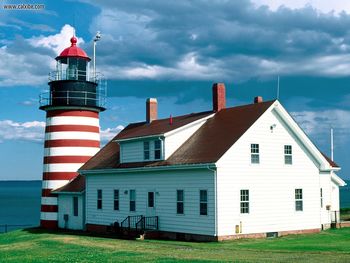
(72, 104)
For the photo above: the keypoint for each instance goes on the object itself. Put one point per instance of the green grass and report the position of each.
(38, 246)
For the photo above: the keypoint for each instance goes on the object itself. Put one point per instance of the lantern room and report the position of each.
(72, 84)
(73, 63)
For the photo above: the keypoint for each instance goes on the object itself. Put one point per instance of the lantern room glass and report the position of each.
(72, 68)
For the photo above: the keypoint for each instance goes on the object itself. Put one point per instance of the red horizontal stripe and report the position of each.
(47, 193)
(82, 113)
(59, 175)
(49, 208)
(49, 224)
(71, 143)
(82, 128)
(66, 159)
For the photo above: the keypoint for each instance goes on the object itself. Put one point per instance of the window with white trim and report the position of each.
(288, 157)
(244, 201)
(203, 202)
(157, 149)
(146, 150)
(132, 200)
(179, 202)
(116, 199)
(298, 199)
(254, 153)
(99, 199)
(75, 206)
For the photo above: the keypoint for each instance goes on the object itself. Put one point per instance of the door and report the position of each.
(151, 203)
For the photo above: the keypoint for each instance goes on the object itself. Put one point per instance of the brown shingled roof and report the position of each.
(332, 163)
(206, 145)
(77, 185)
(160, 126)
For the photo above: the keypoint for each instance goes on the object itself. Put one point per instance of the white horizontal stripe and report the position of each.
(72, 135)
(71, 151)
(49, 200)
(49, 216)
(54, 184)
(62, 167)
(68, 120)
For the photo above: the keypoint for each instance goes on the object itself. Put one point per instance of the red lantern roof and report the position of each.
(73, 51)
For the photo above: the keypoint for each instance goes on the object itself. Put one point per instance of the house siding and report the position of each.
(271, 183)
(164, 184)
(65, 206)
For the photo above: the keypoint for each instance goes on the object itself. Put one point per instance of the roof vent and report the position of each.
(258, 99)
(151, 110)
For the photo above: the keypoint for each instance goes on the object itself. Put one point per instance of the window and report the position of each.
(157, 149)
(132, 197)
(321, 195)
(75, 206)
(298, 199)
(203, 202)
(146, 150)
(116, 199)
(288, 158)
(99, 199)
(151, 199)
(254, 150)
(180, 202)
(245, 201)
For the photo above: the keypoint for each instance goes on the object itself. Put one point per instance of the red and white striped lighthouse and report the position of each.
(72, 134)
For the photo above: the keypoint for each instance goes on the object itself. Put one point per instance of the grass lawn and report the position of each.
(38, 246)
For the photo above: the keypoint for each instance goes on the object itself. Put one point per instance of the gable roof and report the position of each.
(160, 126)
(77, 185)
(206, 145)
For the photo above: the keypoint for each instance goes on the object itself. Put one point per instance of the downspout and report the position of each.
(216, 200)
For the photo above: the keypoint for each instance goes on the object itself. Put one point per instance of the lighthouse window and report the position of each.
(157, 149)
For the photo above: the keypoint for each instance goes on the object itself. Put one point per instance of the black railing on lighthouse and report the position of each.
(78, 88)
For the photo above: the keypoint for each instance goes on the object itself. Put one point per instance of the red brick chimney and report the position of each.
(258, 99)
(151, 110)
(219, 97)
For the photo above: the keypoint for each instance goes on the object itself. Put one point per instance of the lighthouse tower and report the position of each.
(75, 98)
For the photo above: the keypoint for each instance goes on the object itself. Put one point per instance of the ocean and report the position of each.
(20, 203)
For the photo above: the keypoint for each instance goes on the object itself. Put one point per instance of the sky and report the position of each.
(175, 51)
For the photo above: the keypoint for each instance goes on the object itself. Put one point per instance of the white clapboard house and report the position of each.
(225, 173)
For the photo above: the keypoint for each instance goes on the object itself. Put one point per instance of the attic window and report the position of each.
(288, 158)
(146, 150)
(157, 149)
(254, 151)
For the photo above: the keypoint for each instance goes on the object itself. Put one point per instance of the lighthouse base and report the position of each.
(49, 224)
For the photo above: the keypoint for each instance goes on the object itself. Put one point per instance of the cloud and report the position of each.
(236, 42)
(323, 6)
(317, 124)
(109, 133)
(57, 42)
(32, 131)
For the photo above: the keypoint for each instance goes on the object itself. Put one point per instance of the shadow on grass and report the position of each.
(41, 231)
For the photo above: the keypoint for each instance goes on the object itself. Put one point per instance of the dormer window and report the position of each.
(157, 149)
(146, 150)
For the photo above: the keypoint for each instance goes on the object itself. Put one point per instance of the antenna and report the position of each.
(332, 145)
(74, 24)
(278, 87)
(97, 38)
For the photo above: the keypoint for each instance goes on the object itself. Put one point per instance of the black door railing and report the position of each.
(147, 223)
(130, 222)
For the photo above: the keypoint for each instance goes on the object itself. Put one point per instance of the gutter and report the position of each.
(148, 169)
